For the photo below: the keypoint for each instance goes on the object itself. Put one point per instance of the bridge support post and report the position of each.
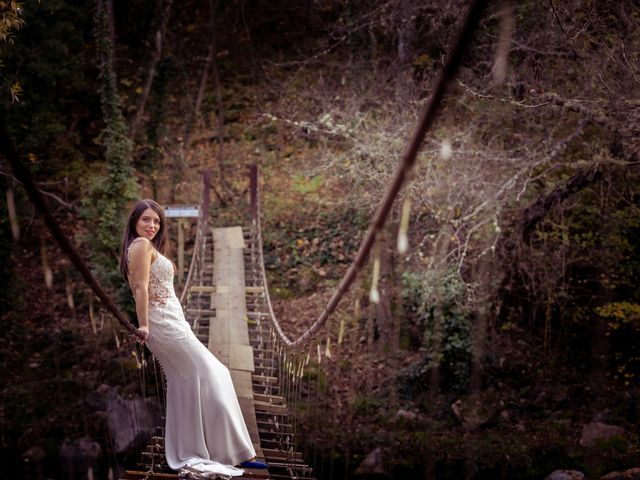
(253, 193)
(206, 189)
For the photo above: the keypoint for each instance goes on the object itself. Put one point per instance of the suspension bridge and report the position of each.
(226, 300)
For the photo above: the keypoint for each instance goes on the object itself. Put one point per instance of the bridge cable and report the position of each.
(22, 174)
(427, 117)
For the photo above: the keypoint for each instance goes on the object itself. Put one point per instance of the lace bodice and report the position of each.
(160, 281)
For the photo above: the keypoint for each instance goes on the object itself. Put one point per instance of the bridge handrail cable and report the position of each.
(23, 175)
(402, 171)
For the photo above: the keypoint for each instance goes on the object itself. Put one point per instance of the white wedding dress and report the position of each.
(205, 430)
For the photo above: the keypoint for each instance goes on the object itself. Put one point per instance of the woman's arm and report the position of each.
(140, 257)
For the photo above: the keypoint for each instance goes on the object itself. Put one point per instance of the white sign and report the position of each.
(181, 211)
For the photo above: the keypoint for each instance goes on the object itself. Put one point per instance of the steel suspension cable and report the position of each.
(22, 173)
(402, 171)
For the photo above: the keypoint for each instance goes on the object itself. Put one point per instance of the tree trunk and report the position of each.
(152, 66)
(13, 216)
(539, 209)
(600, 353)
(405, 25)
(204, 78)
(405, 22)
(382, 311)
(481, 318)
(211, 64)
(395, 291)
(111, 25)
(438, 263)
(220, 117)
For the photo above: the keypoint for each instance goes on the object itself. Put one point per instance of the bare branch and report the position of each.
(67, 205)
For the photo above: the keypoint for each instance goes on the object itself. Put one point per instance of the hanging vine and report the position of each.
(112, 187)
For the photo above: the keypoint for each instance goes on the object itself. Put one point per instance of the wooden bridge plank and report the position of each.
(228, 331)
(241, 357)
(242, 383)
(235, 238)
(246, 405)
(202, 289)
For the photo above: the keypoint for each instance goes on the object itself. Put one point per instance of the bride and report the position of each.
(205, 433)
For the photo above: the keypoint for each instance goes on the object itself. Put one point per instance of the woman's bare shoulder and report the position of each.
(140, 241)
(141, 245)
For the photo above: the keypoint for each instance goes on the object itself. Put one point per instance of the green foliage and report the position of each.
(312, 247)
(50, 61)
(156, 127)
(623, 321)
(620, 313)
(582, 269)
(425, 295)
(413, 380)
(112, 188)
(616, 443)
(364, 406)
(304, 185)
(315, 373)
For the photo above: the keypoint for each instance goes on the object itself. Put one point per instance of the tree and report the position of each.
(112, 187)
(11, 21)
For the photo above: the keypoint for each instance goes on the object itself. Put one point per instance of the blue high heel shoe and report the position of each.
(254, 464)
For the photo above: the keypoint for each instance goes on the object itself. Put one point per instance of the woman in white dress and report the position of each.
(205, 432)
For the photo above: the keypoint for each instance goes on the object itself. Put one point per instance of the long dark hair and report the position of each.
(160, 241)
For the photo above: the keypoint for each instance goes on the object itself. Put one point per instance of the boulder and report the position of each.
(81, 448)
(631, 474)
(407, 416)
(373, 464)
(594, 432)
(566, 475)
(97, 400)
(34, 454)
(476, 410)
(33, 462)
(77, 457)
(131, 421)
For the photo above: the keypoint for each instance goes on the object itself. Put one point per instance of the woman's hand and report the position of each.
(144, 333)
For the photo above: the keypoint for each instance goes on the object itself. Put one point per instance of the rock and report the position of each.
(97, 399)
(122, 369)
(476, 410)
(407, 416)
(307, 279)
(34, 454)
(566, 475)
(600, 416)
(83, 447)
(131, 421)
(596, 431)
(559, 394)
(33, 462)
(373, 464)
(631, 474)
(79, 456)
